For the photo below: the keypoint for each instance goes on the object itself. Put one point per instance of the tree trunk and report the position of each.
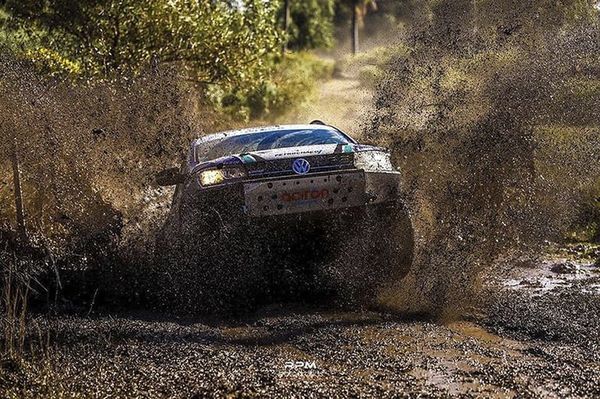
(286, 22)
(354, 28)
(21, 230)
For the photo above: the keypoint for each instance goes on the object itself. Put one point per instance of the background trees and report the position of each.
(350, 18)
(310, 24)
(213, 41)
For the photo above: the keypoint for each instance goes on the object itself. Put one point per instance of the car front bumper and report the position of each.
(313, 193)
(301, 194)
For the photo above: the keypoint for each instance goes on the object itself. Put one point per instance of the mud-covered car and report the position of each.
(283, 207)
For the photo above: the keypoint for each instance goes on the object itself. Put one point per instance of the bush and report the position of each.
(370, 66)
(109, 38)
(292, 83)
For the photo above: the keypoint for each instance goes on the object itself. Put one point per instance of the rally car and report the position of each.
(297, 199)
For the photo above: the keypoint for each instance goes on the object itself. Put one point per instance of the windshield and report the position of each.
(250, 142)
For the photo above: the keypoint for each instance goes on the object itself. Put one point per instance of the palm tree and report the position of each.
(359, 10)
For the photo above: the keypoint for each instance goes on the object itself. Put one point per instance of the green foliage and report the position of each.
(213, 42)
(293, 81)
(231, 49)
(311, 24)
(51, 63)
(11, 36)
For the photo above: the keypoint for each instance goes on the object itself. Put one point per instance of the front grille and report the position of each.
(283, 167)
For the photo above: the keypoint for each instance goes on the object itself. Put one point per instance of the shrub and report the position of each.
(292, 83)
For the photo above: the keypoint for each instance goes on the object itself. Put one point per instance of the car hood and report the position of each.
(294, 152)
(285, 153)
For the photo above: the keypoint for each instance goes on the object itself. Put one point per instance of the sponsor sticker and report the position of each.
(305, 195)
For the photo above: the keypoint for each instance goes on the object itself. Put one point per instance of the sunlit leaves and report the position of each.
(214, 42)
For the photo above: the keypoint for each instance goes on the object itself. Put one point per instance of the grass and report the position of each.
(14, 309)
(20, 335)
(24, 343)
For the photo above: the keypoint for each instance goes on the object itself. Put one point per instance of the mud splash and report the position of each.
(499, 149)
(497, 154)
(88, 152)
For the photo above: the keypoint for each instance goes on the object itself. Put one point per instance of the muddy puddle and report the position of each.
(534, 335)
(551, 275)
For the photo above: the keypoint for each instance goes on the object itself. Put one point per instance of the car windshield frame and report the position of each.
(268, 140)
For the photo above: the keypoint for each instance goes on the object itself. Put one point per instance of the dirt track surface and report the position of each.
(530, 343)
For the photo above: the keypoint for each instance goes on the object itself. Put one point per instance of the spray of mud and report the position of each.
(87, 155)
(499, 147)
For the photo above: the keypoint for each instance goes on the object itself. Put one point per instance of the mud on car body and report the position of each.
(302, 200)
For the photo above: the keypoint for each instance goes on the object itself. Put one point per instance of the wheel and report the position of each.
(393, 237)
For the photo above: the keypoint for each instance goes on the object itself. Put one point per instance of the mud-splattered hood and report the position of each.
(282, 153)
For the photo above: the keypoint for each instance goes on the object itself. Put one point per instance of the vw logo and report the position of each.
(301, 166)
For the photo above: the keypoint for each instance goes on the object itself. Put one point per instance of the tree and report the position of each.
(359, 9)
(308, 24)
(214, 42)
(286, 21)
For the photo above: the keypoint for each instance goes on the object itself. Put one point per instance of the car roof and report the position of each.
(252, 130)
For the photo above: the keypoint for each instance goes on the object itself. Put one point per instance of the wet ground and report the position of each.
(536, 337)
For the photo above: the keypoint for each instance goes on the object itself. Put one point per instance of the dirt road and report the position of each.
(341, 102)
(531, 340)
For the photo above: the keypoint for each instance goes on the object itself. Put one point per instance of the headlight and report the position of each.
(373, 161)
(211, 177)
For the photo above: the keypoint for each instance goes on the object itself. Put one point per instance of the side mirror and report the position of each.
(169, 177)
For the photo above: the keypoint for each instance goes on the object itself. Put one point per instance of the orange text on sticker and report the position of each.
(305, 195)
